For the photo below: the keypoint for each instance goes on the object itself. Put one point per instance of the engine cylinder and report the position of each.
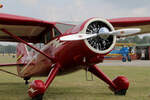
(102, 43)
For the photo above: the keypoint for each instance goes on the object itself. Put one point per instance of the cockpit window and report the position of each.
(46, 37)
(64, 27)
(56, 32)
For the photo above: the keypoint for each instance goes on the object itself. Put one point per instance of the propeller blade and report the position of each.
(78, 36)
(123, 32)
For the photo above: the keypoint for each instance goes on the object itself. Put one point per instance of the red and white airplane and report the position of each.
(67, 48)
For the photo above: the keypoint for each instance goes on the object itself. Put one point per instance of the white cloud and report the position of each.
(79, 10)
(144, 11)
(29, 2)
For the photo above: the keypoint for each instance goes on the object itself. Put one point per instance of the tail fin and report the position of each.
(22, 53)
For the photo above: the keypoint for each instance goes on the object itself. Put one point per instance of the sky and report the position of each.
(76, 10)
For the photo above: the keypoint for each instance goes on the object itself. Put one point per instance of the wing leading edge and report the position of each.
(132, 22)
(31, 29)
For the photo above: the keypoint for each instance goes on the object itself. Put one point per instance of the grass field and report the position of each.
(75, 87)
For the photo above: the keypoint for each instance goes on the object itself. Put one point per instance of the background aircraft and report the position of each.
(123, 51)
(67, 48)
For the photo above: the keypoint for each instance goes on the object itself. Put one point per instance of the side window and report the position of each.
(56, 32)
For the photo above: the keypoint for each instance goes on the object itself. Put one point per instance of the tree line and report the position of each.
(135, 39)
(8, 49)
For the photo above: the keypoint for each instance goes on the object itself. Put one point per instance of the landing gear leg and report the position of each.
(119, 85)
(26, 80)
(129, 58)
(38, 87)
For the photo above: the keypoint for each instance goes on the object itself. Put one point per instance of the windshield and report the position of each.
(63, 27)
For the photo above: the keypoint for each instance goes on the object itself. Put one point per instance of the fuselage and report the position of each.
(72, 55)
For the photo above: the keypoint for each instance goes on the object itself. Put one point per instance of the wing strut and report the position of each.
(13, 64)
(21, 40)
(9, 72)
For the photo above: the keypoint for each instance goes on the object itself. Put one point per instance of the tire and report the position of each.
(121, 92)
(38, 97)
(123, 59)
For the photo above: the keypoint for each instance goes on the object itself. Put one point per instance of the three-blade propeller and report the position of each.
(80, 36)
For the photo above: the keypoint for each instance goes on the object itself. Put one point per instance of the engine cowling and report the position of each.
(101, 44)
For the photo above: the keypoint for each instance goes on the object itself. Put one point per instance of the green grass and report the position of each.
(75, 87)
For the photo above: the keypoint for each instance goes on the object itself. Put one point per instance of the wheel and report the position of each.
(123, 59)
(36, 90)
(122, 84)
(38, 97)
(121, 92)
